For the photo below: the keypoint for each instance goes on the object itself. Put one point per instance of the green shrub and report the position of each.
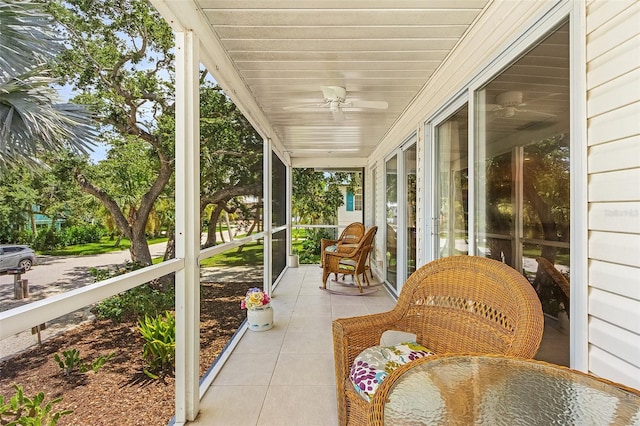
(47, 240)
(25, 411)
(159, 349)
(134, 304)
(311, 245)
(82, 234)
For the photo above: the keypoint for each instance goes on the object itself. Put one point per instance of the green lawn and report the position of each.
(249, 254)
(106, 245)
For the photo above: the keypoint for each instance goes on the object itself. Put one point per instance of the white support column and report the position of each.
(289, 209)
(187, 149)
(267, 199)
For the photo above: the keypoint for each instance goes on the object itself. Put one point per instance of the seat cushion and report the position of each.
(333, 248)
(373, 364)
(348, 264)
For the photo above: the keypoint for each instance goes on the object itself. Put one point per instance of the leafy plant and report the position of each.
(159, 350)
(100, 361)
(71, 361)
(311, 245)
(22, 410)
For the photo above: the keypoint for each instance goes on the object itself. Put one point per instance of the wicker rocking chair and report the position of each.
(353, 263)
(350, 236)
(459, 304)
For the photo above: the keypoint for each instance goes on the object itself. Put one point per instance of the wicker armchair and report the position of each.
(352, 263)
(458, 304)
(352, 234)
(558, 280)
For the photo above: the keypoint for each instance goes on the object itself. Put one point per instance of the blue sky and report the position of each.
(99, 151)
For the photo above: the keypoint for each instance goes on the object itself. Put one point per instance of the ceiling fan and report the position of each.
(509, 105)
(335, 98)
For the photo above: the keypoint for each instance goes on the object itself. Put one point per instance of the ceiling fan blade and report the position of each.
(545, 114)
(338, 114)
(314, 105)
(541, 98)
(367, 104)
(333, 93)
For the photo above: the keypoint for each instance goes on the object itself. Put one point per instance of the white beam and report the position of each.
(330, 162)
(289, 189)
(187, 307)
(267, 201)
(187, 16)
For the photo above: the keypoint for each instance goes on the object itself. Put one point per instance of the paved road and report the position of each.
(53, 275)
(57, 274)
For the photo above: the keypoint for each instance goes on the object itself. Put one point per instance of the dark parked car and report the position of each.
(16, 256)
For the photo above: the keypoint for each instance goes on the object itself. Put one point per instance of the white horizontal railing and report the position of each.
(301, 225)
(24, 317)
(30, 315)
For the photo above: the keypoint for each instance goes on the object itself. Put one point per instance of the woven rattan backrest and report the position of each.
(471, 304)
(352, 233)
(367, 244)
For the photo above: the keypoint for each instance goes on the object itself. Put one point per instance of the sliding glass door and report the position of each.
(391, 231)
(452, 185)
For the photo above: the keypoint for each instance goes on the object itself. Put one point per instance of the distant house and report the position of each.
(41, 220)
(351, 210)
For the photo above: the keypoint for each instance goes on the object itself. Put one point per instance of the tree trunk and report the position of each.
(543, 210)
(220, 230)
(213, 222)
(134, 228)
(34, 228)
(170, 250)
(140, 249)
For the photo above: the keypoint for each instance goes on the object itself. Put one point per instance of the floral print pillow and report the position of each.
(373, 364)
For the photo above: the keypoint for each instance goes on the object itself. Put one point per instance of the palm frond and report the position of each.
(31, 121)
(27, 35)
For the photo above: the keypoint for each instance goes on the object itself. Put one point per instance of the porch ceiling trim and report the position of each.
(272, 57)
(186, 16)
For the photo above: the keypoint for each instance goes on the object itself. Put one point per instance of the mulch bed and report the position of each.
(119, 393)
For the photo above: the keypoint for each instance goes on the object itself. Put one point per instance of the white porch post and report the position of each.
(289, 186)
(267, 199)
(187, 226)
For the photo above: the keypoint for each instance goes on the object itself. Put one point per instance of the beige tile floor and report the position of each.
(285, 376)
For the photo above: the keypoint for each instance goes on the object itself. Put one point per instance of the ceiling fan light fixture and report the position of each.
(509, 112)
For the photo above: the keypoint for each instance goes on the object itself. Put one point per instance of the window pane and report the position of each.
(452, 163)
(279, 239)
(392, 220)
(410, 170)
(523, 158)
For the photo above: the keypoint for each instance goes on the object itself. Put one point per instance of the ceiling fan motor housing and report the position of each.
(512, 98)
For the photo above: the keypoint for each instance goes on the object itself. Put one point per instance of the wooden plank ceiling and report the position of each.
(285, 51)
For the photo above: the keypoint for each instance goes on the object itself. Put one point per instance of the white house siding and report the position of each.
(346, 217)
(613, 137)
(380, 215)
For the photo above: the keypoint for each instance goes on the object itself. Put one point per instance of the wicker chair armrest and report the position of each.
(332, 259)
(325, 242)
(353, 335)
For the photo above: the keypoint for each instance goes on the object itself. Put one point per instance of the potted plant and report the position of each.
(259, 310)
